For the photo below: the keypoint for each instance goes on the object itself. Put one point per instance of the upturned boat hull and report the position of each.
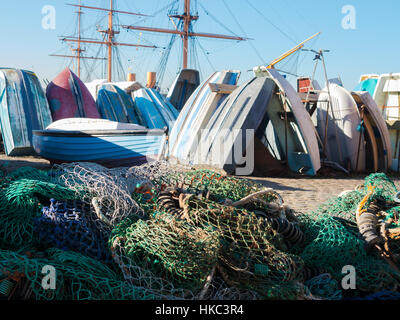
(237, 134)
(377, 131)
(184, 85)
(338, 126)
(23, 108)
(114, 104)
(387, 98)
(303, 123)
(156, 112)
(196, 113)
(69, 98)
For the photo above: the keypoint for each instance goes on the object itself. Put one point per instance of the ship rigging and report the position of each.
(183, 24)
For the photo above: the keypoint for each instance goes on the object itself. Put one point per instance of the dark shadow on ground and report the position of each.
(278, 186)
(9, 164)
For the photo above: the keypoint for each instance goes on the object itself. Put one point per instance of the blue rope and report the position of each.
(360, 127)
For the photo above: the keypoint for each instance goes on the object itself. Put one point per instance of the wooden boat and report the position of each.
(182, 88)
(155, 111)
(302, 125)
(340, 128)
(119, 146)
(68, 98)
(387, 97)
(23, 108)
(377, 134)
(255, 106)
(368, 76)
(197, 111)
(116, 105)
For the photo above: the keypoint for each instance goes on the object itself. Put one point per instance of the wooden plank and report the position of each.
(222, 88)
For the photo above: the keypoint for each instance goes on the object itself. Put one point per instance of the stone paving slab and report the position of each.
(306, 194)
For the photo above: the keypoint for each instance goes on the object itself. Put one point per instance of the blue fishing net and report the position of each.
(66, 225)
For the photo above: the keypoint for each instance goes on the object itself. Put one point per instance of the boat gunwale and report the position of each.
(99, 133)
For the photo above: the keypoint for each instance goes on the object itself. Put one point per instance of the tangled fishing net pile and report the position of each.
(162, 232)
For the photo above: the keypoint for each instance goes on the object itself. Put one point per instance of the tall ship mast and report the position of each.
(109, 39)
(78, 50)
(185, 31)
(183, 28)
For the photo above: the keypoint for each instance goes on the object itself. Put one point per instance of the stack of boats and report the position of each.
(127, 126)
(385, 91)
(114, 127)
(354, 132)
(262, 127)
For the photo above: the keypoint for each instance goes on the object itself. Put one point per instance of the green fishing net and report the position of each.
(333, 238)
(248, 254)
(77, 277)
(180, 233)
(179, 251)
(22, 194)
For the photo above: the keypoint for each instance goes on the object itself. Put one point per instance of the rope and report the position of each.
(270, 22)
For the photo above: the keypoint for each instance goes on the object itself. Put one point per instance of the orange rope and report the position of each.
(142, 190)
(360, 209)
(210, 178)
(151, 195)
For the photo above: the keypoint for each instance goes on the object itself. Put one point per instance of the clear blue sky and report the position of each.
(373, 47)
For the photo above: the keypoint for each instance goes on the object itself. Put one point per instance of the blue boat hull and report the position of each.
(23, 108)
(116, 105)
(367, 85)
(111, 148)
(183, 87)
(156, 112)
